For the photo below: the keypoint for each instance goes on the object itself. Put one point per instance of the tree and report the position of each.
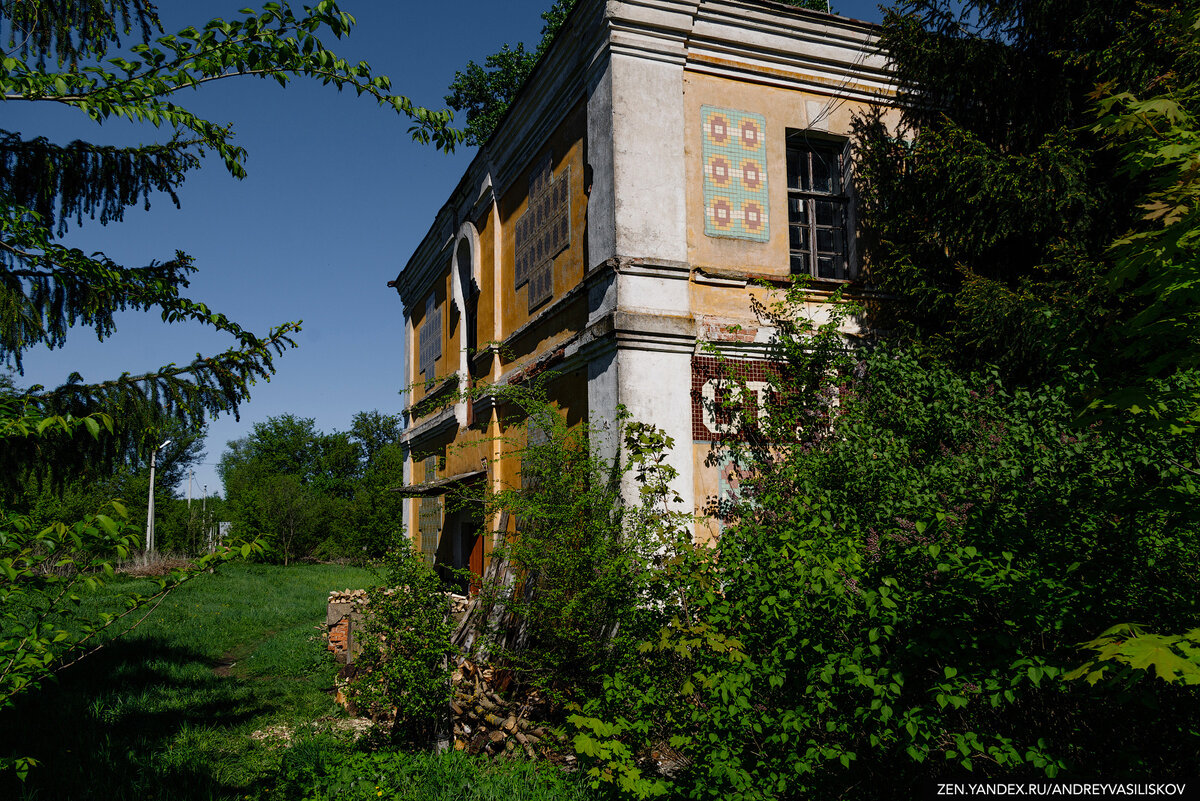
(270, 479)
(345, 480)
(486, 92)
(903, 593)
(50, 288)
(375, 513)
(288, 512)
(1049, 228)
(75, 496)
(990, 214)
(1157, 140)
(899, 593)
(374, 431)
(68, 54)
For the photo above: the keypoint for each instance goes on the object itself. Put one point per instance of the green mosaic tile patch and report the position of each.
(734, 150)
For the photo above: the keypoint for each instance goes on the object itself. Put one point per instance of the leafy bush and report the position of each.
(562, 612)
(901, 591)
(574, 574)
(403, 665)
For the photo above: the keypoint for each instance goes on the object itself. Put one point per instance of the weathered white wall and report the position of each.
(603, 397)
(637, 214)
(648, 166)
(601, 209)
(656, 388)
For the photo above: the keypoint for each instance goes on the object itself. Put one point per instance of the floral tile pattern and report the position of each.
(734, 151)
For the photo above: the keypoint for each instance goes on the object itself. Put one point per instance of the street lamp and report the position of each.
(150, 502)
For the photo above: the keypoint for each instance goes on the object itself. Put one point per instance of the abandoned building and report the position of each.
(665, 157)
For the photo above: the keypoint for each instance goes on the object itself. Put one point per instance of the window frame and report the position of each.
(807, 261)
(430, 339)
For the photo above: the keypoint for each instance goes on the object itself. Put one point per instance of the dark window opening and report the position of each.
(819, 208)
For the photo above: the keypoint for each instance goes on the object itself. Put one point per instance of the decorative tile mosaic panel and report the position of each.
(733, 470)
(734, 150)
(543, 231)
(429, 339)
(712, 390)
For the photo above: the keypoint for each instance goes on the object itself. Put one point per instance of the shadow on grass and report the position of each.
(140, 719)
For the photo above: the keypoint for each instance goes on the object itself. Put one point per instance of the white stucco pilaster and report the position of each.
(601, 205)
(466, 246)
(655, 387)
(637, 223)
(407, 518)
(603, 397)
(648, 166)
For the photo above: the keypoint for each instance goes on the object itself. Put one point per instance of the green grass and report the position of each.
(150, 716)
(168, 712)
(315, 771)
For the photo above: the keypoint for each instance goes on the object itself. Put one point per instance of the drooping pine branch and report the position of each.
(142, 405)
(275, 43)
(47, 289)
(73, 29)
(59, 182)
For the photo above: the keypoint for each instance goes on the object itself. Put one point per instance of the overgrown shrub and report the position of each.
(915, 560)
(403, 667)
(577, 561)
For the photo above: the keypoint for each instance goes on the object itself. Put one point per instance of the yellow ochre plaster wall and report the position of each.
(784, 109)
(565, 146)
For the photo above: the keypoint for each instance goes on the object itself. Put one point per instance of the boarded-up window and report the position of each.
(429, 516)
(538, 432)
(542, 232)
(429, 339)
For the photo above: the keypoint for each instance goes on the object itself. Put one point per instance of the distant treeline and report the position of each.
(307, 493)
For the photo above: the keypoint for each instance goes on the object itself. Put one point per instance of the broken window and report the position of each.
(542, 232)
(820, 213)
(429, 515)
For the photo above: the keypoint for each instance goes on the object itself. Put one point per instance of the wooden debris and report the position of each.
(486, 720)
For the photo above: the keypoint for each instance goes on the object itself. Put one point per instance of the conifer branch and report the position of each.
(59, 182)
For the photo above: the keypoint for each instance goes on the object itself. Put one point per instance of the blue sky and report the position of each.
(336, 199)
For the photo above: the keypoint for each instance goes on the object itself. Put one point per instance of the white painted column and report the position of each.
(408, 517)
(637, 212)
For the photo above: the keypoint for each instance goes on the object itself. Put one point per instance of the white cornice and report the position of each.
(774, 44)
(653, 29)
(441, 423)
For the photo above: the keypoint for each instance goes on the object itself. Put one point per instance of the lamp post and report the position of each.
(150, 502)
(208, 538)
